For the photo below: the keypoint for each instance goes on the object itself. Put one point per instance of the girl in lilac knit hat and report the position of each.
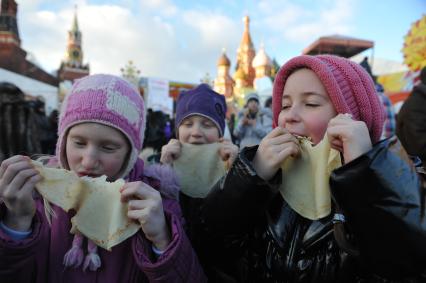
(200, 121)
(101, 127)
(371, 214)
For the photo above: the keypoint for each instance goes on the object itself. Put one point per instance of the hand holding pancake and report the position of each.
(146, 207)
(228, 151)
(17, 181)
(349, 136)
(273, 150)
(170, 151)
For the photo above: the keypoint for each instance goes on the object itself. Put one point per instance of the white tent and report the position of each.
(32, 87)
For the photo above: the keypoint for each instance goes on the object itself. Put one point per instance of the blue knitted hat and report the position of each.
(202, 101)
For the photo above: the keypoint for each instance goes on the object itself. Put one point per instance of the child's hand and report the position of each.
(170, 151)
(349, 136)
(228, 151)
(146, 206)
(273, 150)
(252, 122)
(17, 181)
(245, 121)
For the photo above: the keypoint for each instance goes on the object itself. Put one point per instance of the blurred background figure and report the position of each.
(159, 130)
(253, 122)
(18, 123)
(389, 127)
(154, 135)
(52, 132)
(411, 123)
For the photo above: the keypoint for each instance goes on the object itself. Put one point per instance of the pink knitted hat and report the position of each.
(350, 88)
(107, 100)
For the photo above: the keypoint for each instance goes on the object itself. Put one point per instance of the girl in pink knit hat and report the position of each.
(101, 127)
(372, 228)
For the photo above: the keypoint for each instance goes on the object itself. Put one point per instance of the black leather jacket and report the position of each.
(246, 221)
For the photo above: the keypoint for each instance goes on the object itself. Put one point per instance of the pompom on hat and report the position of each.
(108, 100)
(202, 101)
(349, 86)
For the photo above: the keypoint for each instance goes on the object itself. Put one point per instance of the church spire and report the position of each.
(245, 54)
(75, 22)
(246, 40)
(223, 83)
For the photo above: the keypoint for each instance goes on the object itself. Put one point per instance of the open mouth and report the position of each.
(302, 137)
(197, 143)
(91, 175)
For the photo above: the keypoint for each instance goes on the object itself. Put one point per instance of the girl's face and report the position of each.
(306, 107)
(93, 149)
(197, 129)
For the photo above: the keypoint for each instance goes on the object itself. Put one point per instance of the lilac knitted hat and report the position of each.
(107, 100)
(349, 86)
(203, 101)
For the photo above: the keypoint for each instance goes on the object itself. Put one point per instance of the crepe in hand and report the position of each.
(305, 184)
(100, 215)
(199, 168)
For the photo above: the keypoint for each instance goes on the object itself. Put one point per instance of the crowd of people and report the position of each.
(25, 127)
(243, 225)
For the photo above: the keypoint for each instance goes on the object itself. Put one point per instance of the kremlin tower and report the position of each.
(72, 66)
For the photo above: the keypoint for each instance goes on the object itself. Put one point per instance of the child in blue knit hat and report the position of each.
(200, 120)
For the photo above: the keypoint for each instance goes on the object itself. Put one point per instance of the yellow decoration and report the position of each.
(414, 49)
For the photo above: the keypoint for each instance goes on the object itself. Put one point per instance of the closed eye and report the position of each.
(79, 143)
(208, 125)
(187, 124)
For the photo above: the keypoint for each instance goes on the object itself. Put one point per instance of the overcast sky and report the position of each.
(181, 40)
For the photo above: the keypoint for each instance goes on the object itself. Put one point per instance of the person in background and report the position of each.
(53, 131)
(268, 103)
(389, 126)
(42, 124)
(19, 133)
(411, 121)
(253, 122)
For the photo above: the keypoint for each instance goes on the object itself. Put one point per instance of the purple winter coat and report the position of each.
(39, 257)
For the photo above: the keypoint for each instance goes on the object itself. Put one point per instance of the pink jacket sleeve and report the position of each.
(21, 259)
